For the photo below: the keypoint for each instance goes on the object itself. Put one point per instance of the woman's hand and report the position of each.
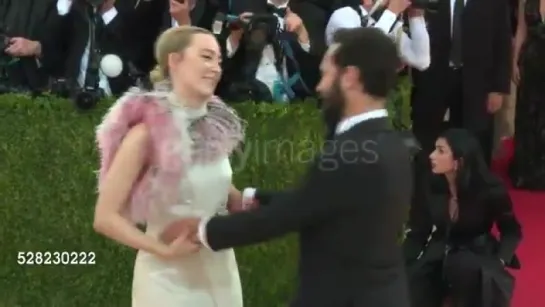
(238, 202)
(516, 74)
(234, 203)
(185, 244)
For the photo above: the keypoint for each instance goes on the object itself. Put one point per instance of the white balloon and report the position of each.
(111, 65)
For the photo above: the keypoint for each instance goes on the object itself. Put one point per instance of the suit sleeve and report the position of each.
(502, 49)
(507, 224)
(265, 197)
(311, 204)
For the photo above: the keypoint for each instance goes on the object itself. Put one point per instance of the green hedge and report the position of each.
(47, 186)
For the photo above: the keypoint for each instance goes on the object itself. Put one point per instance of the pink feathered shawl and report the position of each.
(174, 145)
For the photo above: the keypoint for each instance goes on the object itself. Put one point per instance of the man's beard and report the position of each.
(333, 104)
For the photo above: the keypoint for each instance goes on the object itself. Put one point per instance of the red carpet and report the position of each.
(530, 209)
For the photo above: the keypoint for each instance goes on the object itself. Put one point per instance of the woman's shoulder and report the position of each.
(226, 119)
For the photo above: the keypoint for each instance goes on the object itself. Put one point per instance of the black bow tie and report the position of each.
(281, 12)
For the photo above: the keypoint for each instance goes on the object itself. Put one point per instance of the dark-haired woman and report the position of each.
(450, 251)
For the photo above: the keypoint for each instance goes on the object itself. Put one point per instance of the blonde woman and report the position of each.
(165, 155)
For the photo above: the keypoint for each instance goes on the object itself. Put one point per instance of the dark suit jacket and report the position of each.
(349, 212)
(68, 39)
(486, 56)
(28, 19)
(150, 18)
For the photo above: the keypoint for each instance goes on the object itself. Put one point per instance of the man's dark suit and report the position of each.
(486, 60)
(28, 19)
(69, 37)
(349, 212)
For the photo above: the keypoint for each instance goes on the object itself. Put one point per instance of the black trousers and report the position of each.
(458, 278)
(428, 121)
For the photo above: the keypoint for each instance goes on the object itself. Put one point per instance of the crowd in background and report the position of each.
(58, 46)
(461, 55)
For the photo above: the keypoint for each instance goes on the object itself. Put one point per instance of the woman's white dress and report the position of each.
(206, 278)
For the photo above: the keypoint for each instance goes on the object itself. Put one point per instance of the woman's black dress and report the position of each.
(528, 168)
(461, 261)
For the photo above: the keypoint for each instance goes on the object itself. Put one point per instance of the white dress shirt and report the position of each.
(414, 50)
(63, 7)
(249, 193)
(266, 70)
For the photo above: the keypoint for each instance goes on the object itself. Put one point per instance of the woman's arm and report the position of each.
(520, 37)
(115, 190)
(507, 224)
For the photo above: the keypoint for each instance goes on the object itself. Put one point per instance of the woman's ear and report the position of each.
(174, 59)
(458, 164)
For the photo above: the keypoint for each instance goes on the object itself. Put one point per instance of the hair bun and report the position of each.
(156, 75)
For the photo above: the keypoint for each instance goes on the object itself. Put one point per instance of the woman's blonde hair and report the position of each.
(173, 40)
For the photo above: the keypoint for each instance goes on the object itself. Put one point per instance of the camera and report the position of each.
(84, 98)
(87, 97)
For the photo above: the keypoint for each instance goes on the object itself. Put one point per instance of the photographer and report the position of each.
(22, 29)
(414, 49)
(276, 58)
(87, 31)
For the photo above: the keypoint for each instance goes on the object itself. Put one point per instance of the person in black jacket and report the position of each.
(23, 29)
(449, 248)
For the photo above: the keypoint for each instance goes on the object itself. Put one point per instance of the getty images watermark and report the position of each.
(288, 152)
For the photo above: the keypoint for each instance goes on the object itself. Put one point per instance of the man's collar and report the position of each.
(351, 121)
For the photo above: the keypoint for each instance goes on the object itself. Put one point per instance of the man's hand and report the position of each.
(367, 4)
(294, 24)
(180, 12)
(22, 47)
(106, 6)
(398, 6)
(414, 12)
(186, 227)
(494, 102)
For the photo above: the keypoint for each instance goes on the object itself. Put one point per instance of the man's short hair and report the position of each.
(373, 53)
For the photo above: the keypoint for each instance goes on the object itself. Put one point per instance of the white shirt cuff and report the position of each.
(202, 232)
(248, 195)
(109, 15)
(386, 21)
(305, 46)
(63, 6)
(229, 47)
